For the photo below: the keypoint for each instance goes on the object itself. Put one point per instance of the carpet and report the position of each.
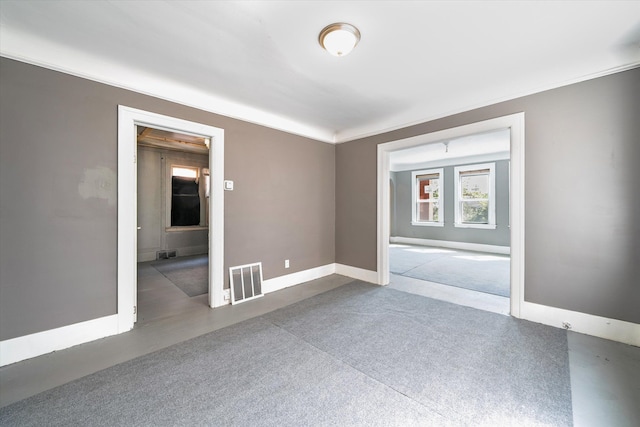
(190, 273)
(355, 355)
(477, 271)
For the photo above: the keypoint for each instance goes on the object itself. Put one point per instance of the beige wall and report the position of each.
(582, 235)
(300, 199)
(58, 180)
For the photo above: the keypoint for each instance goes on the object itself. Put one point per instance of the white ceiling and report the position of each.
(487, 146)
(260, 61)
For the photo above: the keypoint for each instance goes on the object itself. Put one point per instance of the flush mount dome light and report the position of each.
(339, 39)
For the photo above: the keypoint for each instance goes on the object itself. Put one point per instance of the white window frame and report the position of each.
(203, 225)
(458, 170)
(415, 201)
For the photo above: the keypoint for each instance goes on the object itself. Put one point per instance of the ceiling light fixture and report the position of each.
(339, 39)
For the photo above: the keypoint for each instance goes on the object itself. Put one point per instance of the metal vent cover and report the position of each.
(246, 282)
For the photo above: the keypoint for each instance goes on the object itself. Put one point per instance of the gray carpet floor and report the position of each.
(189, 273)
(355, 355)
(478, 271)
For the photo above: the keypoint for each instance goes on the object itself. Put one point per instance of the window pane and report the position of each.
(476, 212)
(185, 202)
(428, 211)
(474, 186)
(428, 189)
(184, 172)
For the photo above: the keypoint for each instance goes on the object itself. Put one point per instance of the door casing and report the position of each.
(514, 122)
(128, 119)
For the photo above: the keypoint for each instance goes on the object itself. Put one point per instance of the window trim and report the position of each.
(458, 170)
(414, 198)
(198, 167)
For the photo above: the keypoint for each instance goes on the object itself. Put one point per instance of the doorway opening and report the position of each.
(449, 230)
(195, 214)
(455, 199)
(173, 192)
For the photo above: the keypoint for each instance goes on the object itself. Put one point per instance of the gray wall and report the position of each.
(404, 208)
(153, 171)
(582, 248)
(58, 217)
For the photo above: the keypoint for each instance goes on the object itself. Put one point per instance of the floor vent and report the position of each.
(166, 254)
(246, 282)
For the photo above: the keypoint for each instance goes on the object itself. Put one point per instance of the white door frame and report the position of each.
(515, 122)
(128, 119)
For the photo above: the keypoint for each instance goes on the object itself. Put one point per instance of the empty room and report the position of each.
(319, 213)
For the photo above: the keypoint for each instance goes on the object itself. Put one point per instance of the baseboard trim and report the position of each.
(28, 346)
(602, 327)
(357, 273)
(281, 282)
(293, 279)
(478, 247)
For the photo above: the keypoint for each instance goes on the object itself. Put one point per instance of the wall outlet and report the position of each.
(286, 263)
(227, 295)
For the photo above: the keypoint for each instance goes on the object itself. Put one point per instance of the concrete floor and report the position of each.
(605, 376)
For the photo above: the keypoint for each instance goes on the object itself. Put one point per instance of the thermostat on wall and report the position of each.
(228, 185)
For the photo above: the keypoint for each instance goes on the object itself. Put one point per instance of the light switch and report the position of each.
(228, 185)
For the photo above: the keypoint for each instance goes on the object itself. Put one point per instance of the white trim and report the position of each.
(28, 346)
(481, 226)
(197, 165)
(611, 329)
(477, 247)
(427, 224)
(281, 282)
(515, 122)
(128, 119)
(355, 133)
(31, 49)
(492, 195)
(357, 273)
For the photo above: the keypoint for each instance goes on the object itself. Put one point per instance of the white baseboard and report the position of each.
(293, 279)
(357, 273)
(505, 250)
(28, 346)
(610, 329)
(281, 282)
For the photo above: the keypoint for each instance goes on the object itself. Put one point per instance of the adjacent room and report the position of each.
(449, 219)
(427, 208)
(172, 222)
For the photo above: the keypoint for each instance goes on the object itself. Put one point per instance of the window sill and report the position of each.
(186, 228)
(428, 224)
(481, 226)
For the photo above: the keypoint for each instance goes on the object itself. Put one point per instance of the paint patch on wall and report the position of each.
(99, 183)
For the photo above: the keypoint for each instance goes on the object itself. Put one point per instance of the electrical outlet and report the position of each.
(286, 263)
(566, 325)
(227, 295)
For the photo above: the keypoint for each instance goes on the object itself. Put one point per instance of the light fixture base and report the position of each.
(339, 38)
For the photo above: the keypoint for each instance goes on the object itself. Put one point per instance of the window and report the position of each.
(475, 196)
(185, 197)
(427, 190)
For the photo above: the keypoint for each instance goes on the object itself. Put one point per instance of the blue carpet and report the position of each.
(477, 271)
(358, 355)
(190, 273)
